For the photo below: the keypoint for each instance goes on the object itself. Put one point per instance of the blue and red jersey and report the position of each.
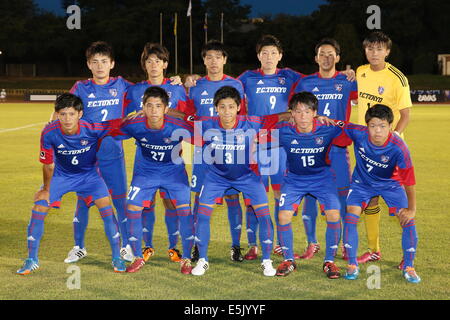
(380, 166)
(103, 103)
(134, 95)
(334, 94)
(156, 149)
(201, 96)
(229, 151)
(72, 154)
(307, 153)
(268, 94)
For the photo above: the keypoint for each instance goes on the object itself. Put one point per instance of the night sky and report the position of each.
(259, 7)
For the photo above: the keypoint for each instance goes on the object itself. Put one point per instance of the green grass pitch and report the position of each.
(20, 172)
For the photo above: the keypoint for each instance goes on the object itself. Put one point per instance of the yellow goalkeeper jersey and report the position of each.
(388, 86)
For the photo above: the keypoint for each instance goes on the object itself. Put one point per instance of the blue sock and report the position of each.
(351, 237)
(80, 222)
(332, 236)
(409, 243)
(276, 210)
(235, 219)
(309, 216)
(186, 230)
(134, 230)
(148, 223)
(120, 205)
(203, 230)
(34, 233)
(286, 238)
(171, 220)
(111, 229)
(343, 201)
(265, 231)
(252, 226)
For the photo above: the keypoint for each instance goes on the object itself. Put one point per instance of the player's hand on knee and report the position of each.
(405, 215)
(42, 195)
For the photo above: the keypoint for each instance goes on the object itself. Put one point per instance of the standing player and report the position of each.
(307, 144)
(383, 168)
(380, 82)
(158, 165)
(102, 97)
(334, 93)
(68, 154)
(267, 91)
(201, 98)
(228, 143)
(154, 62)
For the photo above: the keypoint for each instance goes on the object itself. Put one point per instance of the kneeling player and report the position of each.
(228, 141)
(307, 144)
(71, 144)
(158, 165)
(383, 168)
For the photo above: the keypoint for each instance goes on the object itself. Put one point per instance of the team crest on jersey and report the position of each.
(319, 140)
(84, 142)
(282, 80)
(338, 87)
(169, 94)
(384, 159)
(167, 140)
(113, 92)
(380, 90)
(215, 138)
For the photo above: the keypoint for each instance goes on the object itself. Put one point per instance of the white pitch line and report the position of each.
(24, 127)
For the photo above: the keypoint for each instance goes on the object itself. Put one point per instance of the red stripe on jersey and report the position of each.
(401, 144)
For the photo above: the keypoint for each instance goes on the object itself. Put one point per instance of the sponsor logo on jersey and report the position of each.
(167, 140)
(91, 96)
(282, 80)
(271, 90)
(370, 97)
(329, 96)
(372, 162)
(338, 87)
(84, 142)
(205, 93)
(260, 82)
(229, 147)
(362, 149)
(74, 152)
(307, 150)
(384, 158)
(144, 140)
(103, 103)
(315, 89)
(215, 138)
(113, 92)
(380, 90)
(156, 147)
(319, 140)
(294, 141)
(207, 101)
(61, 146)
(363, 75)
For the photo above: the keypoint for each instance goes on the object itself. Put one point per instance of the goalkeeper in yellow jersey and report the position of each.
(380, 82)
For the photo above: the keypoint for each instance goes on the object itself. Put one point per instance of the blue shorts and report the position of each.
(340, 167)
(89, 187)
(251, 186)
(295, 187)
(174, 183)
(272, 164)
(360, 194)
(198, 174)
(114, 173)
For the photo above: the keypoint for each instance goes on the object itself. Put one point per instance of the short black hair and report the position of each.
(67, 100)
(100, 47)
(227, 92)
(377, 37)
(268, 40)
(306, 98)
(381, 112)
(331, 42)
(214, 45)
(156, 92)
